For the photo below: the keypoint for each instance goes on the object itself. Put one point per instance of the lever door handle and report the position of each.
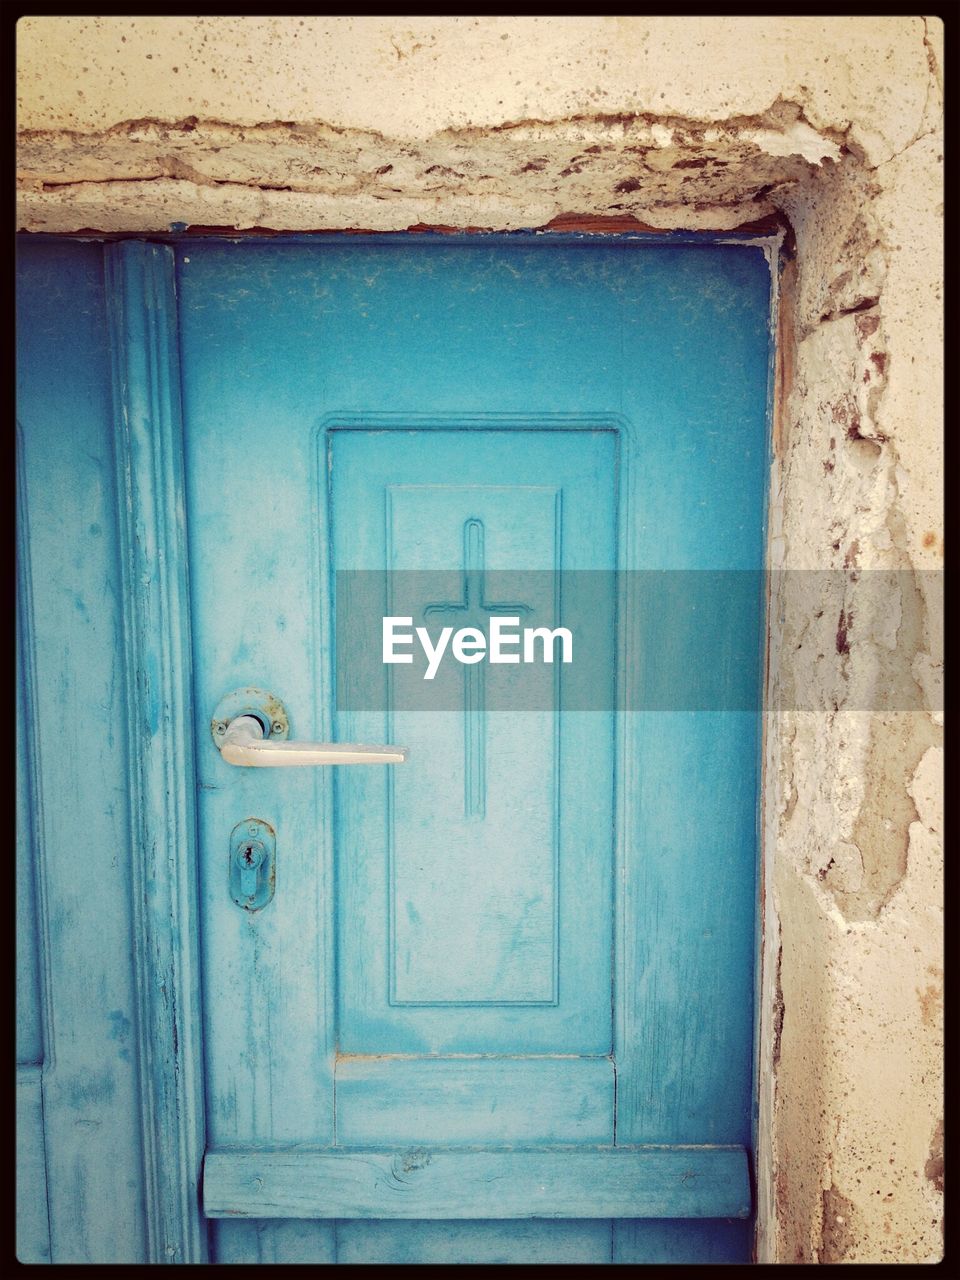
(243, 743)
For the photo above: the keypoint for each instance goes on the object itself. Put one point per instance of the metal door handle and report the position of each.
(243, 743)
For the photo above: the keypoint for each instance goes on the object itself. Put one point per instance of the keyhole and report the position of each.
(251, 864)
(250, 855)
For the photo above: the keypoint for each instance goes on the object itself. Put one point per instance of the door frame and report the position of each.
(155, 609)
(160, 728)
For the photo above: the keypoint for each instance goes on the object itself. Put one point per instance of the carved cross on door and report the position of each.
(473, 611)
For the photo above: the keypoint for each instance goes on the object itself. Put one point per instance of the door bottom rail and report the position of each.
(423, 1183)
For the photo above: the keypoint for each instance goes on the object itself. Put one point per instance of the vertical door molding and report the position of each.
(141, 301)
(34, 1037)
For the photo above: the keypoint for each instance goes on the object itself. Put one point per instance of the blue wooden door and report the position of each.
(499, 1006)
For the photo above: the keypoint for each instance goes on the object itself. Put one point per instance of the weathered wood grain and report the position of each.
(628, 983)
(33, 1224)
(76, 710)
(531, 1240)
(141, 304)
(425, 1183)
(464, 1100)
(697, 344)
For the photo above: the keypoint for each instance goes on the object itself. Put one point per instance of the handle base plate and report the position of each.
(267, 708)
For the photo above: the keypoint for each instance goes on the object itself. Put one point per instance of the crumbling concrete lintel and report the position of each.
(665, 171)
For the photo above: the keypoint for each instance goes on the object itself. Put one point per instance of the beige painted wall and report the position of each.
(834, 125)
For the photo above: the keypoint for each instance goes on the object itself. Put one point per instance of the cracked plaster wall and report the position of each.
(829, 128)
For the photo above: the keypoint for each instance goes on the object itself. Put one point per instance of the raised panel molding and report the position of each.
(463, 520)
(141, 302)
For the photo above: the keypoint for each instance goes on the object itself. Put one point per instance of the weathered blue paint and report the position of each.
(508, 897)
(33, 1225)
(160, 728)
(380, 402)
(557, 1182)
(87, 1071)
(606, 398)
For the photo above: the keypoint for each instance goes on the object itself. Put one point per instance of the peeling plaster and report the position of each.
(857, 888)
(838, 1235)
(832, 126)
(144, 174)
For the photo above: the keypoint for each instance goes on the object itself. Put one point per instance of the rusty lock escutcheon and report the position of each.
(253, 863)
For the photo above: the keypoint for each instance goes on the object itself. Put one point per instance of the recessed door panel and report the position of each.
(484, 874)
